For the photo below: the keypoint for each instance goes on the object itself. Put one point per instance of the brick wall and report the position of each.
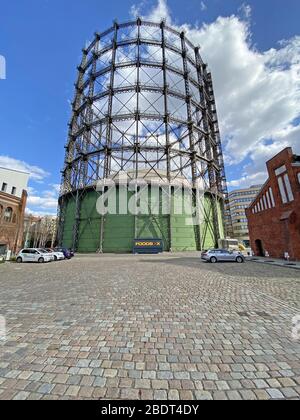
(11, 232)
(278, 228)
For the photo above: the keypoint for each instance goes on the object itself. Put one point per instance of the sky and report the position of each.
(252, 48)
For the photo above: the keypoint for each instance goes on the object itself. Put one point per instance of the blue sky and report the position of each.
(41, 41)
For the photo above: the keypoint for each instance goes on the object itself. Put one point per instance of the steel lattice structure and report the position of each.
(144, 100)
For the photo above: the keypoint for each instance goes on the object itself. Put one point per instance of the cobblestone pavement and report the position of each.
(149, 327)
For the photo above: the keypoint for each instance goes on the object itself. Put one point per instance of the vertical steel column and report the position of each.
(210, 145)
(192, 151)
(85, 149)
(107, 168)
(67, 184)
(167, 131)
(137, 116)
(107, 165)
(189, 109)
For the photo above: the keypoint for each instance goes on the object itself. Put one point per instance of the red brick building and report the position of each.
(12, 212)
(13, 198)
(274, 216)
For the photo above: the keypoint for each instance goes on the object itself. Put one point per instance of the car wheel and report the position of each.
(55, 258)
(19, 260)
(213, 260)
(41, 260)
(240, 260)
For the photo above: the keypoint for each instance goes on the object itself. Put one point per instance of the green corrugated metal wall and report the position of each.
(69, 223)
(90, 224)
(120, 230)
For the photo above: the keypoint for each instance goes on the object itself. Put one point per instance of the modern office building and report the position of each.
(274, 216)
(239, 200)
(13, 198)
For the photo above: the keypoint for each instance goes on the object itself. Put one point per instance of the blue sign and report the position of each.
(148, 246)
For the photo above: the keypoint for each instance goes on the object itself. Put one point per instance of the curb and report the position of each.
(276, 264)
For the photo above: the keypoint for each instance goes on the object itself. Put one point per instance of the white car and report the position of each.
(34, 255)
(58, 256)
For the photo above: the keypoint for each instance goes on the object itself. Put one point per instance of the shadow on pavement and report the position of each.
(248, 269)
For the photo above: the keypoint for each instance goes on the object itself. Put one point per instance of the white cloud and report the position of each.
(40, 213)
(36, 173)
(160, 11)
(257, 92)
(203, 6)
(245, 181)
(246, 11)
(44, 202)
(135, 9)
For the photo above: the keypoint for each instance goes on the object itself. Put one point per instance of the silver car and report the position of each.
(34, 255)
(57, 256)
(218, 255)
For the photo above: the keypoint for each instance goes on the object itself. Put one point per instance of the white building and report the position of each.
(13, 182)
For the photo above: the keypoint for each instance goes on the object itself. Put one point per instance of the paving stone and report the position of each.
(290, 393)
(21, 396)
(146, 394)
(203, 395)
(99, 393)
(157, 384)
(182, 375)
(186, 395)
(110, 373)
(45, 388)
(165, 375)
(234, 395)
(260, 384)
(167, 327)
(60, 389)
(220, 396)
(100, 382)
(130, 394)
(248, 395)
(149, 374)
(275, 394)
(173, 395)
(261, 394)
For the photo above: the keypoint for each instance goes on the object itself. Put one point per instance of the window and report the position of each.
(288, 188)
(268, 199)
(265, 202)
(282, 190)
(272, 197)
(280, 170)
(8, 215)
(262, 204)
(299, 177)
(13, 190)
(4, 187)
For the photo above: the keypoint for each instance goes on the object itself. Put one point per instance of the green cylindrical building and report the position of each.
(144, 110)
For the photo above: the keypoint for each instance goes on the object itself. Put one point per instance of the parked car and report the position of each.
(217, 255)
(204, 252)
(67, 253)
(34, 255)
(58, 256)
